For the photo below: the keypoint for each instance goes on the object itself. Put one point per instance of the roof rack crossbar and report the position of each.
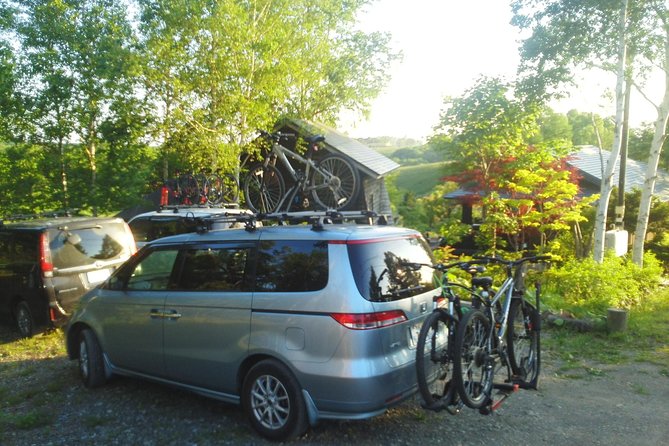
(317, 219)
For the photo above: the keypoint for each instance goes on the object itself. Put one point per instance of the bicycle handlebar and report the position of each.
(276, 136)
(531, 259)
(465, 266)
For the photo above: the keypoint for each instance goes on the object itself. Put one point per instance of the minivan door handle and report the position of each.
(169, 314)
(172, 314)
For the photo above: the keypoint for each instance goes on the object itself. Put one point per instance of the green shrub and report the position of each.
(587, 289)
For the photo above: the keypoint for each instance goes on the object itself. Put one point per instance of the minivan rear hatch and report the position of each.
(383, 276)
(85, 255)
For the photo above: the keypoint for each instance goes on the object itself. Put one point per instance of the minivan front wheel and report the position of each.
(24, 319)
(91, 365)
(272, 400)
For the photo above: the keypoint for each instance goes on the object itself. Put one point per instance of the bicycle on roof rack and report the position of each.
(333, 181)
(191, 189)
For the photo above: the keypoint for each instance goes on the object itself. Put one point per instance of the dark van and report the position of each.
(47, 265)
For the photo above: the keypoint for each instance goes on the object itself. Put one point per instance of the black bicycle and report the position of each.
(436, 341)
(333, 181)
(502, 332)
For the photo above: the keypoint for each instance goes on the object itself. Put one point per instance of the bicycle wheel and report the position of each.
(434, 362)
(230, 191)
(472, 363)
(336, 185)
(264, 189)
(522, 338)
(190, 189)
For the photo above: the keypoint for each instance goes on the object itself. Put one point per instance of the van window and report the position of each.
(18, 248)
(153, 272)
(85, 246)
(379, 272)
(214, 269)
(292, 265)
(148, 229)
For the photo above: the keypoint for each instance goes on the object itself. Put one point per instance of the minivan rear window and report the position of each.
(80, 247)
(380, 271)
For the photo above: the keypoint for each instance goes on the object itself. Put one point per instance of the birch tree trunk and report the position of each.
(607, 179)
(653, 159)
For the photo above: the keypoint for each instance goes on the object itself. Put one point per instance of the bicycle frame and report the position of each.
(299, 181)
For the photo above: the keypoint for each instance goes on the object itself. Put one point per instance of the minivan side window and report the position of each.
(292, 265)
(153, 272)
(214, 269)
(18, 248)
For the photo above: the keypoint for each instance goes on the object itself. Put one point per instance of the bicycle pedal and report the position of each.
(436, 407)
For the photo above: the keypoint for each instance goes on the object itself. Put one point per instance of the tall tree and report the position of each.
(655, 21)
(525, 188)
(223, 69)
(80, 56)
(569, 35)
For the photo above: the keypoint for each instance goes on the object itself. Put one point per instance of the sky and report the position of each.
(447, 45)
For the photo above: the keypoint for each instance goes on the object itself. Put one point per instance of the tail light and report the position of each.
(369, 321)
(131, 239)
(45, 256)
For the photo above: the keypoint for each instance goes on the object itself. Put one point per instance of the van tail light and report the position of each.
(45, 256)
(369, 321)
(131, 239)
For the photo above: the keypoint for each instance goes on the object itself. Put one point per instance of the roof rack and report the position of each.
(46, 214)
(317, 219)
(176, 207)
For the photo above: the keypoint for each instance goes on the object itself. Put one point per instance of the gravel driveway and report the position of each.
(43, 403)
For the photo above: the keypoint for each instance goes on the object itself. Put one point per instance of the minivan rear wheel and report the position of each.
(272, 400)
(24, 319)
(91, 365)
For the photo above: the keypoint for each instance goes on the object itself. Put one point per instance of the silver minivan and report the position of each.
(296, 323)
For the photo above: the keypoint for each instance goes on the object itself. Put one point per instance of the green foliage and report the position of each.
(420, 179)
(219, 71)
(587, 288)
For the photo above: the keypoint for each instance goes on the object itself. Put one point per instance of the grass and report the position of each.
(646, 339)
(420, 179)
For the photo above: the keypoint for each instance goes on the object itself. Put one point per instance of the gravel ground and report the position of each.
(43, 403)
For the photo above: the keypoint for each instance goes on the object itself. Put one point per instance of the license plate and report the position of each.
(99, 275)
(414, 331)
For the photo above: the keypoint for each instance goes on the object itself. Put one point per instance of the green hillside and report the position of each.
(420, 179)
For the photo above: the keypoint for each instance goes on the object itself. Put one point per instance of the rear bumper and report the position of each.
(356, 396)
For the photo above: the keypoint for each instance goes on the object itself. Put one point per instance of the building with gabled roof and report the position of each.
(590, 162)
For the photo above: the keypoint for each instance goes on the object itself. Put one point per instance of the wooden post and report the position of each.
(616, 320)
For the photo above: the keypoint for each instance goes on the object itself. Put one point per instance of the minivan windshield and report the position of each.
(79, 247)
(381, 272)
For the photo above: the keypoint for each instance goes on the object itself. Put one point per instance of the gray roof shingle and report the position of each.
(589, 164)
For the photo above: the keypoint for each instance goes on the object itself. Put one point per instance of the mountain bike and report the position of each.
(435, 345)
(333, 181)
(502, 333)
(217, 189)
(186, 189)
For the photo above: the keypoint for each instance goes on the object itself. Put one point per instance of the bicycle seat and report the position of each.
(483, 282)
(315, 139)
